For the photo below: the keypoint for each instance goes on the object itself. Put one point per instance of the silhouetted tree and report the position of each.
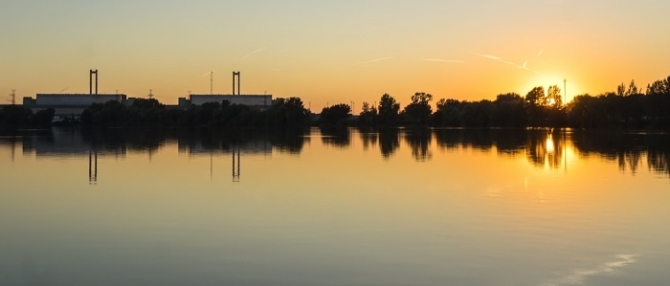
(477, 114)
(146, 103)
(287, 112)
(43, 118)
(335, 115)
(510, 111)
(632, 89)
(15, 116)
(659, 87)
(447, 113)
(621, 90)
(554, 99)
(388, 110)
(419, 111)
(535, 97)
(368, 115)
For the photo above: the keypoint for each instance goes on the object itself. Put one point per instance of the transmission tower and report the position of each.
(13, 95)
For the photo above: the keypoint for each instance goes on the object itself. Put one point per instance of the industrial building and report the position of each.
(72, 105)
(252, 100)
(68, 105)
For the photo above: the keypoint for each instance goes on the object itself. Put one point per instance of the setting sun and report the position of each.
(569, 89)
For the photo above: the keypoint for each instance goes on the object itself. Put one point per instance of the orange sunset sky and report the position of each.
(330, 52)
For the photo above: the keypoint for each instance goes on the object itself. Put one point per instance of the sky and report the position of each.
(329, 52)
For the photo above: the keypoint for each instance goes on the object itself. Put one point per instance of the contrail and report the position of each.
(372, 61)
(497, 58)
(444, 61)
(256, 51)
(490, 57)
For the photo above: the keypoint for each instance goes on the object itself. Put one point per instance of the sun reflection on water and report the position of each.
(549, 145)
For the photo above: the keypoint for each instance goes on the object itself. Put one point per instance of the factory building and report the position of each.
(71, 105)
(46, 99)
(252, 100)
(68, 105)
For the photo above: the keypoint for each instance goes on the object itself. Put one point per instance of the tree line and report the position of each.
(628, 149)
(17, 116)
(282, 113)
(627, 107)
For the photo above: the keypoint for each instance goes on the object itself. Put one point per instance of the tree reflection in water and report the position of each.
(389, 141)
(543, 148)
(336, 137)
(419, 142)
(368, 137)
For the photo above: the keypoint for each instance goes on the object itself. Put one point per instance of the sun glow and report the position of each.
(568, 89)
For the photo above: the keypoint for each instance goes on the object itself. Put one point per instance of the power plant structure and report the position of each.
(90, 81)
(71, 105)
(261, 101)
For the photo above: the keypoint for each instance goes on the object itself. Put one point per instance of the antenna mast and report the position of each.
(211, 82)
(151, 94)
(565, 91)
(13, 95)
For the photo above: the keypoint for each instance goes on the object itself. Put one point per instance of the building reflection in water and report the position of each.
(93, 166)
(216, 148)
(10, 142)
(236, 164)
(543, 148)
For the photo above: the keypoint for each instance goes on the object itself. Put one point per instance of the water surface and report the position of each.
(348, 207)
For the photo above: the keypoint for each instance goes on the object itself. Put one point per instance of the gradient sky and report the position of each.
(330, 52)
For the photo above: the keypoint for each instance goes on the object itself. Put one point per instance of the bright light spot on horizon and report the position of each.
(546, 81)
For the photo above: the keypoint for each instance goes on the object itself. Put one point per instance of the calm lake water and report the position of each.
(398, 207)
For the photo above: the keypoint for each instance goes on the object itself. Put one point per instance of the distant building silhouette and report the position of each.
(68, 105)
(253, 100)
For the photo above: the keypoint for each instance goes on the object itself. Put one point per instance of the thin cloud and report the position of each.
(540, 53)
(250, 54)
(372, 61)
(444, 61)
